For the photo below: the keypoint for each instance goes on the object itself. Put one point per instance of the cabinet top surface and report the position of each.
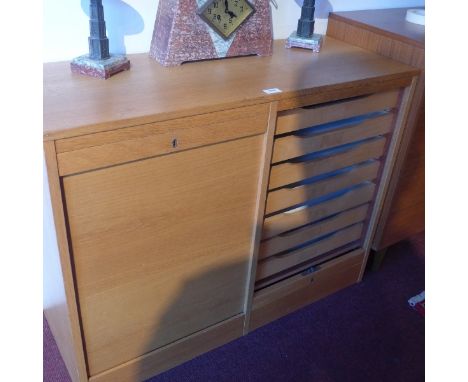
(391, 22)
(148, 92)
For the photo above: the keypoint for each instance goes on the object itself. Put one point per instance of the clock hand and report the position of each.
(226, 9)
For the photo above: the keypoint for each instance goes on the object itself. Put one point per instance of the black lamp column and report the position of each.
(305, 25)
(98, 41)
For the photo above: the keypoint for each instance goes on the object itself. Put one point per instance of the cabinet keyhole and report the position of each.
(174, 143)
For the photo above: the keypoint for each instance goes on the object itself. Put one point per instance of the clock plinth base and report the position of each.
(99, 68)
(181, 35)
(167, 61)
(314, 43)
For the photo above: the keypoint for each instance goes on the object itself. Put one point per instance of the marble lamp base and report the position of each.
(314, 43)
(99, 68)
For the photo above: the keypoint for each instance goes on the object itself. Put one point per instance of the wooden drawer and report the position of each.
(299, 193)
(306, 141)
(280, 262)
(297, 291)
(297, 119)
(161, 246)
(291, 239)
(286, 221)
(328, 161)
(124, 145)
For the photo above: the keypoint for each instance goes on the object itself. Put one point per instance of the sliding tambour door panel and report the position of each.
(161, 246)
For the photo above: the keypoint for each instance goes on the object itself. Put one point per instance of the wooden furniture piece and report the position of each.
(182, 213)
(386, 32)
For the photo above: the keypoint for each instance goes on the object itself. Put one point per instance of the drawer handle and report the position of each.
(325, 129)
(339, 124)
(325, 154)
(310, 270)
(332, 151)
(295, 210)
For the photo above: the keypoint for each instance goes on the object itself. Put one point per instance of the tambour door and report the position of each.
(161, 246)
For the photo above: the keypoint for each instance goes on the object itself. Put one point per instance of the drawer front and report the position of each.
(297, 170)
(305, 141)
(281, 262)
(286, 221)
(297, 119)
(295, 194)
(297, 291)
(124, 145)
(161, 247)
(292, 239)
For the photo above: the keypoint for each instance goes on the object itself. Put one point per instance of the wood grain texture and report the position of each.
(386, 32)
(281, 262)
(348, 90)
(277, 277)
(388, 169)
(148, 93)
(186, 134)
(227, 119)
(290, 239)
(60, 306)
(165, 249)
(295, 145)
(287, 197)
(277, 224)
(160, 360)
(291, 172)
(263, 180)
(162, 246)
(390, 23)
(296, 119)
(375, 40)
(285, 297)
(406, 215)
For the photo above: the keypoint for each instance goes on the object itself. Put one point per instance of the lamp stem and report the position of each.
(305, 25)
(98, 41)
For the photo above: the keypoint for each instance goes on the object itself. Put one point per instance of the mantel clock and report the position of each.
(192, 30)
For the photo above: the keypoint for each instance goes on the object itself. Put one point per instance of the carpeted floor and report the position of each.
(364, 333)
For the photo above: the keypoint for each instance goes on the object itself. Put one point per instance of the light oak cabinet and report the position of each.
(188, 219)
(387, 32)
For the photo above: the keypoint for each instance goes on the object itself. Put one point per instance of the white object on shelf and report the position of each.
(416, 16)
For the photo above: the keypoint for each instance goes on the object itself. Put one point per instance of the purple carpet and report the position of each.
(364, 333)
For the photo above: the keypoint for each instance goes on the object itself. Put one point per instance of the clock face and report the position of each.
(226, 16)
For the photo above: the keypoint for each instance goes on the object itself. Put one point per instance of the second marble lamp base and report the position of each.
(100, 68)
(314, 43)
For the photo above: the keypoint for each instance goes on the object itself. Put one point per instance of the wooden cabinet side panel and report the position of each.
(377, 42)
(403, 209)
(391, 165)
(410, 149)
(406, 215)
(58, 291)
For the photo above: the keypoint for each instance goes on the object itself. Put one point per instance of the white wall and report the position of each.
(130, 23)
